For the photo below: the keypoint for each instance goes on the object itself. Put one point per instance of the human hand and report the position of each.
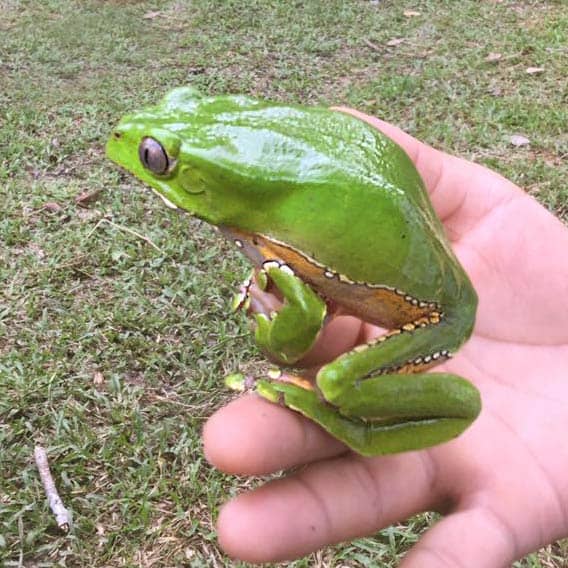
(503, 484)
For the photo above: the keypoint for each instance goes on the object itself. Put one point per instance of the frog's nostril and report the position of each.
(116, 135)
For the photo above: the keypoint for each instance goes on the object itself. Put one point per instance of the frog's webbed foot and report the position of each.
(286, 334)
(415, 411)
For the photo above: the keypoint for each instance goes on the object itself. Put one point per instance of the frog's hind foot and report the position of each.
(267, 386)
(411, 430)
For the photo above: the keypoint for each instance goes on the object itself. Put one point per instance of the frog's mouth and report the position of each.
(181, 197)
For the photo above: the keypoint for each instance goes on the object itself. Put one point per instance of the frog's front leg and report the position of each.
(367, 399)
(289, 333)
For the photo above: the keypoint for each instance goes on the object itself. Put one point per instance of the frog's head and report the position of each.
(190, 150)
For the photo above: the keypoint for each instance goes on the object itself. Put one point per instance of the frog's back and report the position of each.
(329, 185)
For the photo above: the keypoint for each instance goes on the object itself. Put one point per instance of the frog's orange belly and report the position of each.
(374, 303)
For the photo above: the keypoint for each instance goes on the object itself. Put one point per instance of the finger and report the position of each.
(470, 538)
(461, 192)
(326, 503)
(339, 335)
(251, 436)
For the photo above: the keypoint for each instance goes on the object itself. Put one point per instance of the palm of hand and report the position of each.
(513, 489)
(503, 483)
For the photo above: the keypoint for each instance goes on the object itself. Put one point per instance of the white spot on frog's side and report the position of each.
(274, 373)
(267, 265)
(239, 244)
(165, 199)
(329, 274)
(285, 268)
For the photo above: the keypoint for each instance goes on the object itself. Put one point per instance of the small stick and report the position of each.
(372, 45)
(62, 515)
(126, 230)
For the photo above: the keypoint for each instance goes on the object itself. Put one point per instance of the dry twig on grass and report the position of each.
(62, 515)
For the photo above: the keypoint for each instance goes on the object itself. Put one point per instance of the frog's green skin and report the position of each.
(333, 213)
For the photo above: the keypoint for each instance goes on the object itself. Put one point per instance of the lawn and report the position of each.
(114, 325)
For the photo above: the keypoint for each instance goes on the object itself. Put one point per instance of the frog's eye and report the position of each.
(153, 156)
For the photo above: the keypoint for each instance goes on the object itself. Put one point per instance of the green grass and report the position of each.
(112, 349)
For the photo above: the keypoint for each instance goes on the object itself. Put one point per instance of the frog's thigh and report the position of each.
(421, 395)
(370, 438)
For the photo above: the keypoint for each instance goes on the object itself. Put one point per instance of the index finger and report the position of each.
(251, 436)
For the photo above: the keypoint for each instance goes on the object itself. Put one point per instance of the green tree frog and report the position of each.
(332, 213)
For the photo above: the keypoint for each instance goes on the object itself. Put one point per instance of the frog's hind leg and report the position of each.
(416, 411)
(378, 399)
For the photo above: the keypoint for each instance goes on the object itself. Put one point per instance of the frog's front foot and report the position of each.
(288, 333)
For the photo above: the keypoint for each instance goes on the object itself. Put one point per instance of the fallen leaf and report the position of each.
(411, 13)
(493, 57)
(52, 207)
(98, 379)
(37, 250)
(395, 41)
(495, 91)
(519, 140)
(87, 197)
(151, 15)
(534, 70)
(372, 45)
